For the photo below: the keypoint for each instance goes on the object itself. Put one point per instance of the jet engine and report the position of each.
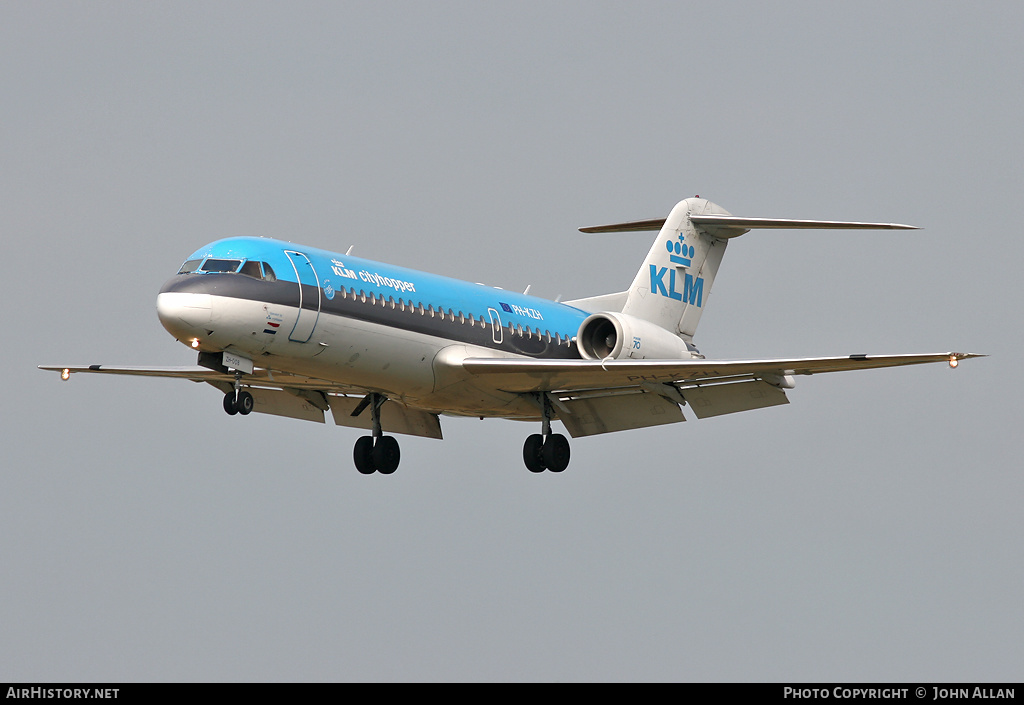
(623, 337)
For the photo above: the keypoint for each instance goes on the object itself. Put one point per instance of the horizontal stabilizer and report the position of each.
(636, 226)
(732, 225)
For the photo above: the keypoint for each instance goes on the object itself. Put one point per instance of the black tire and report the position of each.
(245, 403)
(363, 455)
(386, 455)
(532, 450)
(556, 452)
(229, 404)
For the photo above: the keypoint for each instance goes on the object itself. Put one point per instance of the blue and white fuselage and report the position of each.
(300, 332)
(355, 321)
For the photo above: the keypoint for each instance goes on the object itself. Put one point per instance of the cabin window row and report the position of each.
(450, 315)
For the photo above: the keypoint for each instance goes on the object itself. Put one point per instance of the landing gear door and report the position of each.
(309, 297)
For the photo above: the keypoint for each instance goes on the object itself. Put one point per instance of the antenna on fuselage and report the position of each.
(527, 290)
(349, 250)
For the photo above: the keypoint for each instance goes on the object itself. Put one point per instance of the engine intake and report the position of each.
(619, 336)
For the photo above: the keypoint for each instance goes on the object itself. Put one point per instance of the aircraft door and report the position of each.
(496, 329)
(309, 303)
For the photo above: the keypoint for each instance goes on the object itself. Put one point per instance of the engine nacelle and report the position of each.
(622, 337)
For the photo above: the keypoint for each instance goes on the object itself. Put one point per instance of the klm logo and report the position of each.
(680, 252)
(339, 269)
(693, 287)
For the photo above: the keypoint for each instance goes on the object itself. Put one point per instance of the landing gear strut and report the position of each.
(545, 450)
(376, 453)
(238, 401)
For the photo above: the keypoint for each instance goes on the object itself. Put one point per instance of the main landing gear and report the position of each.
(545, 450)
(376, 453)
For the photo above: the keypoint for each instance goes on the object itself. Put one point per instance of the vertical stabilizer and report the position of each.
(673, 285)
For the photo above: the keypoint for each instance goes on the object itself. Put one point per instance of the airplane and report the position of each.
(297, 331)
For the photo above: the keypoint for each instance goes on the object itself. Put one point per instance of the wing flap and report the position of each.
(719, 399)
(393, 416)
(595, 415)
(281, 403)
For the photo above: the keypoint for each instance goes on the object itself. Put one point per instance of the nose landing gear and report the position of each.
(238, 401)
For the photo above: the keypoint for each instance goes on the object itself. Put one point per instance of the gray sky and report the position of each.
(868, 531)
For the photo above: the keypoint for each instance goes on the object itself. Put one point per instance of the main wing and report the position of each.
(284, 394)
(599, 396)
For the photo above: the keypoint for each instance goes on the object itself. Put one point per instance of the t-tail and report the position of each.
(674, 284)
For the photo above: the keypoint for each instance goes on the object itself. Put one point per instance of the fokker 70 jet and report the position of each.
(296, 331)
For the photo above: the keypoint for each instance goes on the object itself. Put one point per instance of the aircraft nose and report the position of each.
(185, 314)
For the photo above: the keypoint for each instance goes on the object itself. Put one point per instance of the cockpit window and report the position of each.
(251, 269)
(221, 265)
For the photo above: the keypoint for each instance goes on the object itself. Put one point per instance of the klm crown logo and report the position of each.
(679, 252)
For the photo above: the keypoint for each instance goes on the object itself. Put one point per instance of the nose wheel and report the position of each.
(240, 402)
